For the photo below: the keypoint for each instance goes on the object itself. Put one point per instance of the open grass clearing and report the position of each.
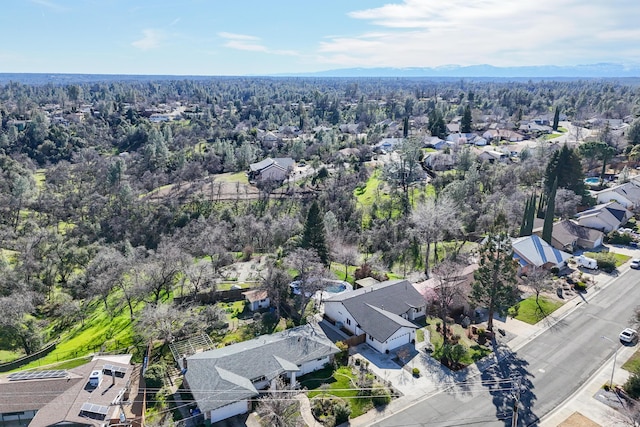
(240, 177)
(528, 311)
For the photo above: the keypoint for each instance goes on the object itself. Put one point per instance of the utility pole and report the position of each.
(516, 400)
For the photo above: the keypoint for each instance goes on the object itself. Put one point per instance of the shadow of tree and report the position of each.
(506, 380)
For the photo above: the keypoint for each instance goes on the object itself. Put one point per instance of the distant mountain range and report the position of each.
(602, 70)
(447, 72)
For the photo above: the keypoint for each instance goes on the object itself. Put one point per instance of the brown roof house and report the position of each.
(94, 394)
(568, 235)
(257, 299)
(461, 302)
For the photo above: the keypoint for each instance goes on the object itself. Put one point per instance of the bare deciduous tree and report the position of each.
(538, 280)
(279, 408)
(450, 281)
(432, 219)
(310, 273)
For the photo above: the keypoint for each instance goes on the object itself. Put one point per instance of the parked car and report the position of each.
(635, 263)
(629, 335)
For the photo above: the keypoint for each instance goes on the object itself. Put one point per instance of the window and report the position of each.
(348, 321)
(370, 338)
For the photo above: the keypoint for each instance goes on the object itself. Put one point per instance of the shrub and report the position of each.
(247, 252)
(154, 376)
(632, 386)
(416, 372)
(380, 396)
(580, 286)
(616, 238)
(606, 261)
(342, 411)
(555, 271)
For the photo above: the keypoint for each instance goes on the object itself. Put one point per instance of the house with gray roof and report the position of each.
(269, 169)
(605, 217)
(224, 381)
(627, 194)
(382, 311)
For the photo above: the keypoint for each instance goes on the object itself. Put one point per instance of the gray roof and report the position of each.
(220, 377)
(283, 162)
(378, 308)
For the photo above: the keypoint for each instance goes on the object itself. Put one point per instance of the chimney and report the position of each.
(113, 376)
(184, 362)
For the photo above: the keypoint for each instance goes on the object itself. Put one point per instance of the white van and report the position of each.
(587, 262)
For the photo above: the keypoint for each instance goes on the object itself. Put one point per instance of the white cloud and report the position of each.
(151, 40)
(251, 43)
(524, 32)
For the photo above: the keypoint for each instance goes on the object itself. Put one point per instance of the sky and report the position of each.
(267, 37)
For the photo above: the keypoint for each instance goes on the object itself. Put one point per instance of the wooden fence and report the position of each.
(14, 364)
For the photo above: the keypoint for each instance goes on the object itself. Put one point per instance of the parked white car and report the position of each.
(629, 335)
(635, 263)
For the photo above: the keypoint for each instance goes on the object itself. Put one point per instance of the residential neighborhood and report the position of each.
(318, 251)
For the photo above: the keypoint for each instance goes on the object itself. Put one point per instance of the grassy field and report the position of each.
(528, 311)
(114, 330)
(372, 191)
(240, 177)
(40, 178)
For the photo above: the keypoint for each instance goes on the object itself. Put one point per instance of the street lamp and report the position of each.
(615, 354)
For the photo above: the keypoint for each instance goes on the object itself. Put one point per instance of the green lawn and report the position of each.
(372, 191)
(474, 352)
(528, 311)
(340, 383)
(40, 177)
(8, 356)
(633, 364)
(620, 258)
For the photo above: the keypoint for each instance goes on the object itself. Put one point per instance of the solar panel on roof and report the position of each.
(37, 375)
(94, 408)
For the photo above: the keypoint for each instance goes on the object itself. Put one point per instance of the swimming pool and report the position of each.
(335, 289)
(592, 181)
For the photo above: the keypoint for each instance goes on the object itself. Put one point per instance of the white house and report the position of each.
(224, 381)
(382, 311)
(257, 299)
(627, 194)
(605, 217)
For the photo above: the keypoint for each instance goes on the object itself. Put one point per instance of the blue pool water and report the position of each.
(592, 181)
(334, 289)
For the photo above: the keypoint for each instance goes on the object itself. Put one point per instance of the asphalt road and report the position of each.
(550, 367)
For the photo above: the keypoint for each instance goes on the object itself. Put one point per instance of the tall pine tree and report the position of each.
(547, 228)
(465, 122)
(314, 234)
(495, 285)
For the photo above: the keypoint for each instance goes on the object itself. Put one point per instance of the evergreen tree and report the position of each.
(556, 119)
(541, 207)
(437, 127)
(547, 228)
(526, 228)
(405, 127)
(465, 123)
(314, 233)
(565, 166)
(495, 284)
(525, 216)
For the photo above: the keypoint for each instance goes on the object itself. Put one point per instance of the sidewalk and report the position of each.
(434, 378)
